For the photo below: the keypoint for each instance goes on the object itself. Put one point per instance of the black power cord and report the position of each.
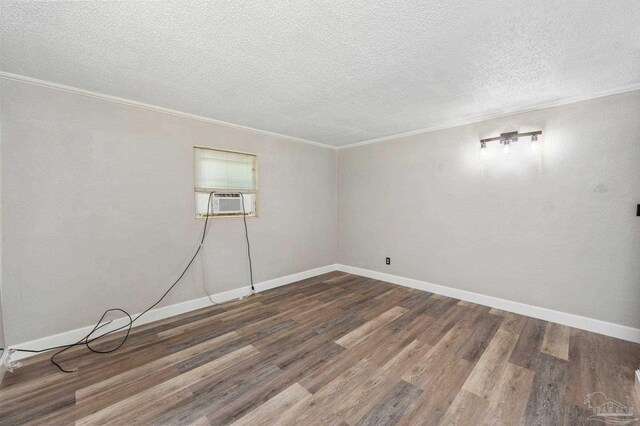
(88, 339)
(246, 234)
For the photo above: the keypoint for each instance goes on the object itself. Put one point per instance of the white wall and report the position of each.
(98, 209)
(555, 229)
(2, 342)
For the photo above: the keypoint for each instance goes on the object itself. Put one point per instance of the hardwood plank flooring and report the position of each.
(335, 349)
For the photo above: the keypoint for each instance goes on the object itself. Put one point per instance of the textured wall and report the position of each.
(98, 210)
(2, 342)
(555, 229)
(1, 326)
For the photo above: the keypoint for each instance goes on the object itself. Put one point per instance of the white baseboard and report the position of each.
(597, 326)
(589, 324)
(71, 336)
(277, 282)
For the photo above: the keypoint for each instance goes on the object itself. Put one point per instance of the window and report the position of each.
(228, 174)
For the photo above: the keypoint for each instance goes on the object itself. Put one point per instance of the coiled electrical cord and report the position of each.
(88, 339)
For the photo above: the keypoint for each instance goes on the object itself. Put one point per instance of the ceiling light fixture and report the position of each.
(507, 138)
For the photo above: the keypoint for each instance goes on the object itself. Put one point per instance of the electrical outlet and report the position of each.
(388, 261)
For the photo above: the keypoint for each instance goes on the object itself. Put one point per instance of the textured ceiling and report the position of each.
(335, 72)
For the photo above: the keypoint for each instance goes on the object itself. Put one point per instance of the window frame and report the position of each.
(255, 191)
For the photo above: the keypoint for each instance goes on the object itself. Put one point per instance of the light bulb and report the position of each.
(507, 149)
(483, 149)
(534, 143)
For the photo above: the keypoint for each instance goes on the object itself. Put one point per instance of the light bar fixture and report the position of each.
(507, 138)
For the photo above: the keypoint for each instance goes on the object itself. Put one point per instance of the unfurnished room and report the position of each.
(320, 212)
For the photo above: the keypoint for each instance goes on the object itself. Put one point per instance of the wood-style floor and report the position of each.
(334, 349)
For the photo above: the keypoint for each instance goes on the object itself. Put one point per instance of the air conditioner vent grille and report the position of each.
(230, 205)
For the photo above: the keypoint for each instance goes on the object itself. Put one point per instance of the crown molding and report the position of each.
(500, 114)
(447, 125)
(142, 105)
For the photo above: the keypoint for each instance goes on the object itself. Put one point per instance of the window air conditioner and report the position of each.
(227, 204)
